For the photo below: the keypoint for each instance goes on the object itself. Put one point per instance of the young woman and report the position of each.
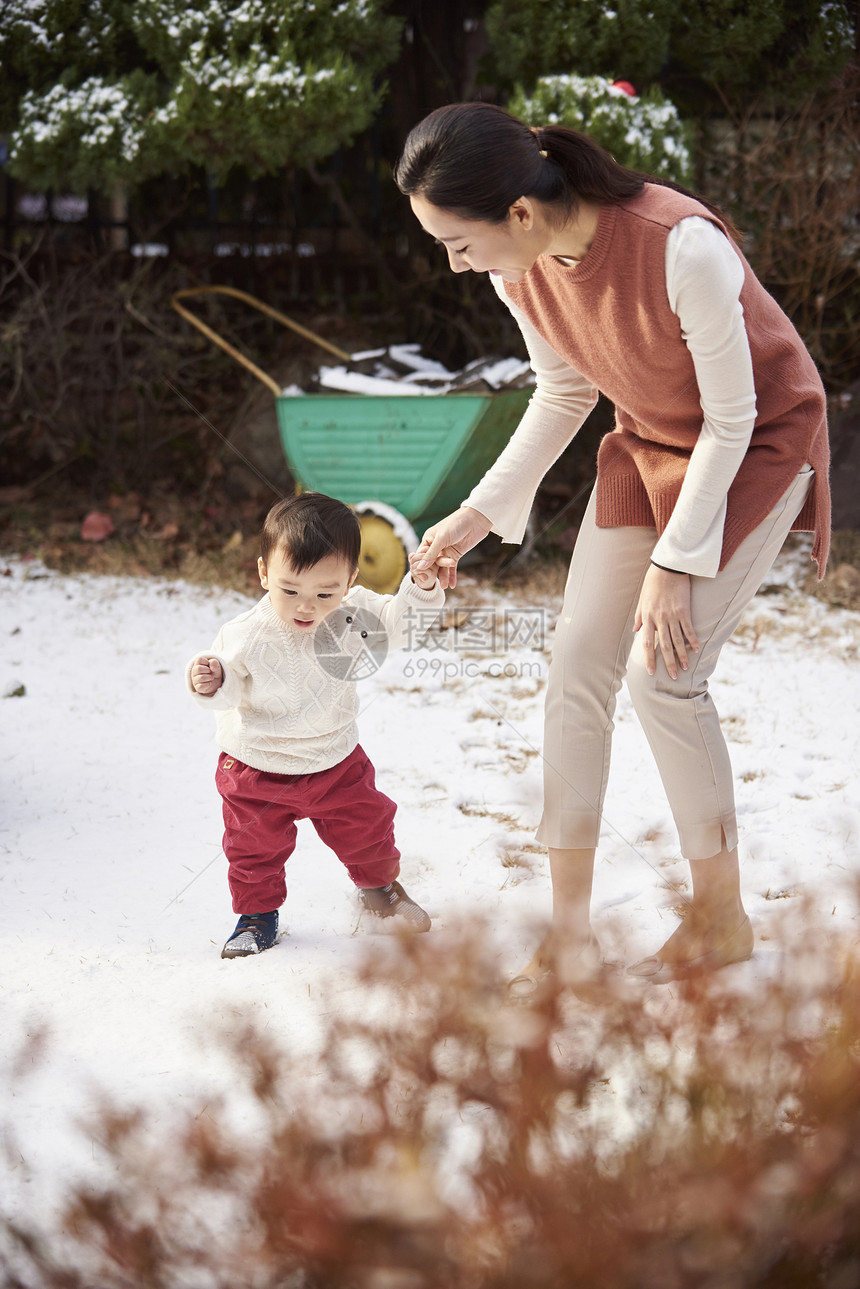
(631, 286)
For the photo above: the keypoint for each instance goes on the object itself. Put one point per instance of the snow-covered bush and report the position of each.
(77, 137)
(120, 92)
(644, 132)
(719, 55)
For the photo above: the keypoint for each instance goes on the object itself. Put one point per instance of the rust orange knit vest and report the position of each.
(609, 317)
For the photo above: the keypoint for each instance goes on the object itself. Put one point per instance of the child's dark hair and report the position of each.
(309, 527)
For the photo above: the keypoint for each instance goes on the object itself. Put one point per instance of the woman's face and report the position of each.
(506, 250)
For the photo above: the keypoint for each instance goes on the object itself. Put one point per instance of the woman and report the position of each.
(633, 287)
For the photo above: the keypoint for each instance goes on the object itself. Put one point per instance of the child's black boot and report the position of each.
(254, 933)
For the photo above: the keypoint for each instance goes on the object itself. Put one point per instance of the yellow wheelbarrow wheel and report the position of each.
(386, 538)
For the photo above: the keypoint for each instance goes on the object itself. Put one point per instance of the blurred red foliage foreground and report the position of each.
(696, 1136)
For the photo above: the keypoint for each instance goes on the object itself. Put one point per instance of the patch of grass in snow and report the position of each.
(519, 856)
(654, 833)
(518, 758)
(734, 728)
(473, 810)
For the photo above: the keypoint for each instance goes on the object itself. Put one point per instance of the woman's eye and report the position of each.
(324, 595)
(462, 250)
(288, 592)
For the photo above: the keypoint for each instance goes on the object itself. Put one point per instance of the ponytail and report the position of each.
(475, 160)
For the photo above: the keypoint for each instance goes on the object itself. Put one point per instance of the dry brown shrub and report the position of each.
(840, 585)
(691, 1136)
(88, 352)
(792, 181)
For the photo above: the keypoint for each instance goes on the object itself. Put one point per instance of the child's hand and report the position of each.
(425, 577)
(207, 676)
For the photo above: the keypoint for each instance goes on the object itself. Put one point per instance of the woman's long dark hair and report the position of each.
(475, 160)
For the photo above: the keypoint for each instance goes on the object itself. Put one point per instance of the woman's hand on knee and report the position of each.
(447, 541)
(663, 616)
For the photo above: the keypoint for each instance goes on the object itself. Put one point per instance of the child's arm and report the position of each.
(206, 676)
(216, 678)
(406, 615)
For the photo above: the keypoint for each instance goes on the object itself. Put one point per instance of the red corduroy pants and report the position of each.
(260, 810)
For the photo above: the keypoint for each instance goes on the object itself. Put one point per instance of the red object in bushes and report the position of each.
(96, 527)
(625, 86)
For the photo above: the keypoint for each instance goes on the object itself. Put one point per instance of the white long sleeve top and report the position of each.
(289, 700)
(704, 278)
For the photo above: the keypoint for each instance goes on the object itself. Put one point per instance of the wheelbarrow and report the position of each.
(402, 462)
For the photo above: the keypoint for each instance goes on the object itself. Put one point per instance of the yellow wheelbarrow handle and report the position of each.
(263, 308)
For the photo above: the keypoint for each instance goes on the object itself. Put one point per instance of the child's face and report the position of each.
(301, 600)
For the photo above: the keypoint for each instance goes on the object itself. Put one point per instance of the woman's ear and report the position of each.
(522, 213)
(261, 569)
(352, 579)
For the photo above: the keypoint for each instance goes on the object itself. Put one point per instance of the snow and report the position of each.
(651, 131)
(114, 899)
(401, 525)
(504, 372)
(101, 113)
(421, 375)
(410, 356)
(351, 382)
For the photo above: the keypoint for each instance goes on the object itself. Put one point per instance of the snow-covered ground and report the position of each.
(114, 901)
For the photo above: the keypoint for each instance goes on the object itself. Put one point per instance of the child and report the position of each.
(280, 680)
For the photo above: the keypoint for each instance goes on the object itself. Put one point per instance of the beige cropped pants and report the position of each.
(595, 646)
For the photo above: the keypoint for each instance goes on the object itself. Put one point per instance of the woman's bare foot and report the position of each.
(571, 960)
(697, 935)
(568, 951)
(542, 962)
(700, 944)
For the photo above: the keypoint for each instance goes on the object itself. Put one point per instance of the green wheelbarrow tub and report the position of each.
(421, 454)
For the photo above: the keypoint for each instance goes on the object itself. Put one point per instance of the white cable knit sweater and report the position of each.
(283, 707)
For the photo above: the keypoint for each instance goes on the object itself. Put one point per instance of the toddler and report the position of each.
(281, 681)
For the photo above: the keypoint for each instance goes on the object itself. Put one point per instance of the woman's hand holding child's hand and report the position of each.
(445, 543)
(207, 676)
(425, 577)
